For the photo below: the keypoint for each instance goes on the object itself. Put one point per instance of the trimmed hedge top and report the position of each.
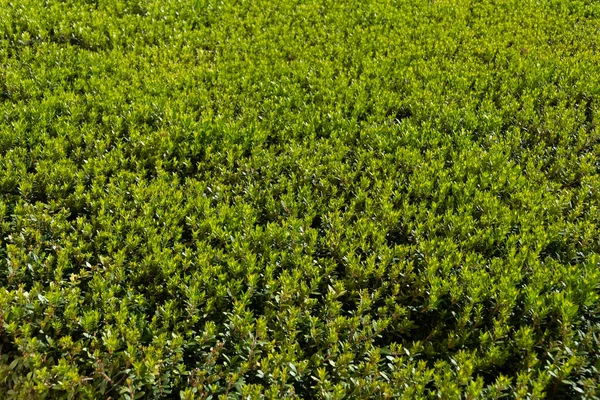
(299, 199)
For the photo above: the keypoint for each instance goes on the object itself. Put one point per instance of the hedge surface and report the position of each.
(299, 199)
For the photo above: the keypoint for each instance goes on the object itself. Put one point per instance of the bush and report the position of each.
(316, 199)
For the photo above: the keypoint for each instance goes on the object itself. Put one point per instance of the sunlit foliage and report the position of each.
(309, 199)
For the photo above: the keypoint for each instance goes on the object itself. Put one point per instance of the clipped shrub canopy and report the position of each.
(314, 199)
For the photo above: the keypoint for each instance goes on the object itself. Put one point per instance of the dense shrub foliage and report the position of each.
(299, 199)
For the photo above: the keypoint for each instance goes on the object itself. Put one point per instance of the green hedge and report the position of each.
(299, 199)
